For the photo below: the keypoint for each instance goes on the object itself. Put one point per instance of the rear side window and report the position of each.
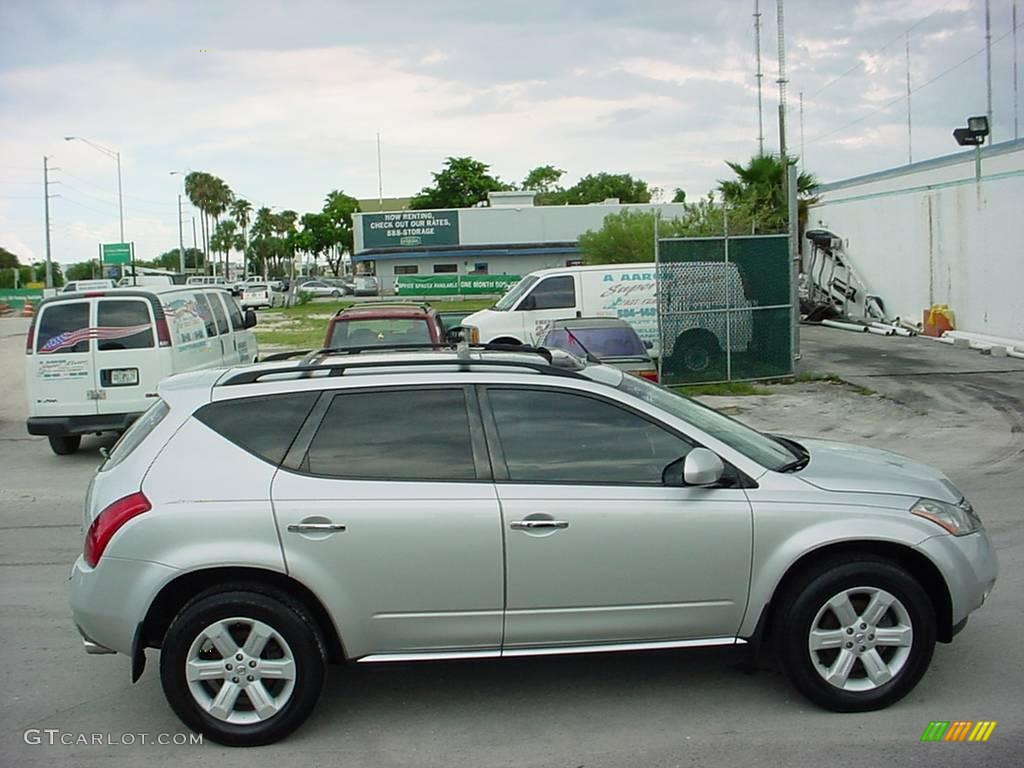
(264, 426)
(123, 325)
(218, 312)
(419, 434)
(138, 432)
(234, 314)
(206, 312)
(64, 328)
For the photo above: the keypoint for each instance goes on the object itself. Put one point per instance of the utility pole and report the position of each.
(380, 176)
(988, 70)
(781, 81)
(46, 215)
(1016, 109)
(910, 140)
(181, 241)
(759, 75)
(803, 165)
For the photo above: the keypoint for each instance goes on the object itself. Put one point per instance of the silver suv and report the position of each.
(260, 522)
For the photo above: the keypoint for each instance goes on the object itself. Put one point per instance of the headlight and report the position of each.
(958, 519)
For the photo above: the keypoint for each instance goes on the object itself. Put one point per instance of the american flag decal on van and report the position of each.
(71, 338)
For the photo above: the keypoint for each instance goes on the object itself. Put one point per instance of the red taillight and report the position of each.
(30, 339)
(109, 522)
(649, 375)
(163, 333)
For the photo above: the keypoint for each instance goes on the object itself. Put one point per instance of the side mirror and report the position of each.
(250, 318)
(648, 345)
(527, 304)
(702, 467)
(454, 334)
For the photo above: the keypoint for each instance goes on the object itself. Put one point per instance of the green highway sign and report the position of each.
(117, 253)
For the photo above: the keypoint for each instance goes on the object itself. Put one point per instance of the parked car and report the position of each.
(338, 283)
(257, 296)
(77, 286)
(365, 285)
(479, 504)
(607, 340)
(211, 280)
(319, 288)
(382, 325)
(144, 281)
(93, 360)
(627, 291)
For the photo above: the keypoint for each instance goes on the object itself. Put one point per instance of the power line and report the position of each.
(896, 39)
(903, 96)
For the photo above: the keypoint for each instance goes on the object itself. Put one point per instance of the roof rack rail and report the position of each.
(338, 369)
(386, 305)
(312, 354)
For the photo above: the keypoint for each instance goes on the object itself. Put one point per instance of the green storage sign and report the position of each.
(117, 253)
(454, 285)
(410, 229)
(15, 297)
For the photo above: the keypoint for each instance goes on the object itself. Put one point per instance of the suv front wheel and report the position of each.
(857, 635)
(241, 667)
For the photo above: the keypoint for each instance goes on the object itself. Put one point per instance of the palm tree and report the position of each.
(198, 189)
(223, 240)
(760, 187)
(240, 212)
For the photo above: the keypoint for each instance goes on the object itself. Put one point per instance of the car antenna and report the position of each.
(591, 357)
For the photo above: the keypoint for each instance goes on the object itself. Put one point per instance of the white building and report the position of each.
(932, 233)
(511, 236)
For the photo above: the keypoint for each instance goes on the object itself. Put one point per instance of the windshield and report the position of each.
(517, 291)
(380, 332)
(766, 451)
(601, 342)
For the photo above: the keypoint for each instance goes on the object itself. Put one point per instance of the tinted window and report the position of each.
(264, 426)
(380, 332)
(556, 437)
(515, 292)
(553, 293)
(420, 434)
(123, 325)
(206, 312)
(234, 313)
(601, 342)
(440, 268)
(407, 270)
(218, 312)
(64, 328)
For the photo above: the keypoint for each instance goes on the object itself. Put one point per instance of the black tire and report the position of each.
(695, 352)
(800, 606)
(65, 445)
(289, 620)
(336, 294)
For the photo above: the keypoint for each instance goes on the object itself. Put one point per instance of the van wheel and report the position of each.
(695, 351)
(242, 667)
(856, 635)
(65, 445)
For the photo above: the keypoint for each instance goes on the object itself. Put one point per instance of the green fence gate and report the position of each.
(725, 311)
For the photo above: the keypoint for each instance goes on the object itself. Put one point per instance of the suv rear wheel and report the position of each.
(242, 667)
(856, 636)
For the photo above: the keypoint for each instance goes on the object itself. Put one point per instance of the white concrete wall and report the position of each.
(930, 234)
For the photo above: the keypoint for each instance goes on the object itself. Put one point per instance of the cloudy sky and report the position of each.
(283, 100)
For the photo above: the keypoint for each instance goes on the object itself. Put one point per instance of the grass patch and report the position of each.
(322, 307)
(830, 378)
(723, 389)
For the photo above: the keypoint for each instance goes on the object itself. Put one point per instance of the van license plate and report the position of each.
(124, 377)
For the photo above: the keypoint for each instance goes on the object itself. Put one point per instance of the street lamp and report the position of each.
(973, 136)
(114, 156)
(181, 239)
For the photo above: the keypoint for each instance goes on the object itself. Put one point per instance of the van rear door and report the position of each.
(129, 362)
(60, 371)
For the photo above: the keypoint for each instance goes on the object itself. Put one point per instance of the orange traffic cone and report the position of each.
(5, 309)
(27, 310)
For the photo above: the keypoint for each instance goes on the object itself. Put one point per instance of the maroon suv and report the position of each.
(385, 325)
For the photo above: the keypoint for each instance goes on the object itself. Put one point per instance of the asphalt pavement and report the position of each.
(951, 407)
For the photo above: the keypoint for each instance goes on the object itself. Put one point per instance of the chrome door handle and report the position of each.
(306, 527)
(526, 525)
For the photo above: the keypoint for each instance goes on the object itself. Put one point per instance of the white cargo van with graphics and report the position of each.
(93, 359)
(627, 291)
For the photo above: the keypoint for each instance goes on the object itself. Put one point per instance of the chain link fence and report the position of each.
(724, 308)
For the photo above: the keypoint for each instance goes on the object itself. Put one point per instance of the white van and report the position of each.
(627, 291)
(144, 281)
(86, 285)
(207, 280)
(93, 359)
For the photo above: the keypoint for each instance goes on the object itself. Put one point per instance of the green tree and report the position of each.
(84, 270)
(241, 212)
(169, 259)
(760, 187)
(338, 208)
(58, 275)
(679, 196)
(212, 196)
(596, 188)
(8, 260)
(462, 183)
(543, 181)
(223, 240)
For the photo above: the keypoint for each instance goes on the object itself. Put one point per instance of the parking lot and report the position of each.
(953, 408)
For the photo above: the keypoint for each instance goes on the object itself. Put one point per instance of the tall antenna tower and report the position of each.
(910, 135)
(782, 81)
(760, 77)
